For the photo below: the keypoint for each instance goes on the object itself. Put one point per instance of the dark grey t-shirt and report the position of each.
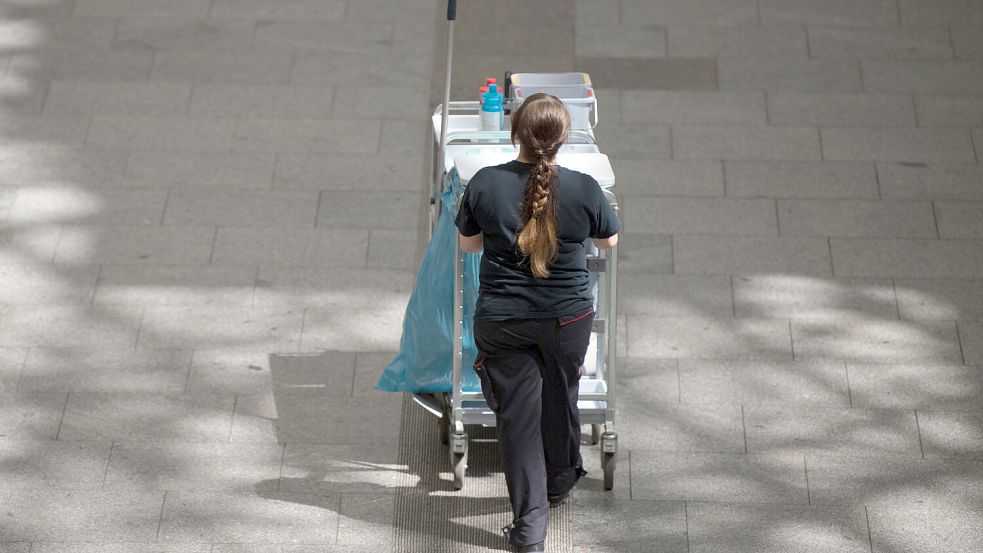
(492, 205)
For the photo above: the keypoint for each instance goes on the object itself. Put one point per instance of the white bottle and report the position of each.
(491, 110)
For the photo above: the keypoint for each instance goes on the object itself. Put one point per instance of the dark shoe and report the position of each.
(533, 547)
(557, 500)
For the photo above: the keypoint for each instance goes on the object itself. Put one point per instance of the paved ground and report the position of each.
(209, 216)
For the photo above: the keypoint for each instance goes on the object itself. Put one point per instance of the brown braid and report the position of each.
(541, 125)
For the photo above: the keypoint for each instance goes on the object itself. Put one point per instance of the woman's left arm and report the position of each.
(472, 244)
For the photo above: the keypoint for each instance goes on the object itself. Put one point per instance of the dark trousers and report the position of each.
(530, 375)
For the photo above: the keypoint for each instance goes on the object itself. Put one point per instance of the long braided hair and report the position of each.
(541, 125)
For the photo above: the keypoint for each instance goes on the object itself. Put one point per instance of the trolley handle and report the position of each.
(451, 10)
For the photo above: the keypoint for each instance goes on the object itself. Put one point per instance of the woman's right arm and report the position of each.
(606, 243)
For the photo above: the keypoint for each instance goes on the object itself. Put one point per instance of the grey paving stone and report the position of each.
(814, 298)
(79, 97)
(200, 170)
(708, 338)
(40, 283)
(911, 258)
(737, 42)
(718, 477)
(836, 13)
(944, 13)
(789, 75)
(800, 179)
(629, 526)
(274, 548)
(181, 33)
(356, 209)
(886, 43)
(893, 482)
(675, 295)
(368, 368)
(960, 219)
(841, 110)
(69, 326)
(253, 66)
(26, 165)
(324, 36)
(371, 468)
(967, 43)
(925, 530)
(81, 515)
(799, 383)
(77, 547)
(745, 255)
(175, 285)
(702, 12)
(366, 519)
(654, 73)
(331, 10)
(220, 327)
(11, 364)
(595, 39)
(635, 140)
(942, 299)
(845, 431)
(652, 378)
(745, 143)
(45, 464)
(16, 547)
(31, 415)
(640, 177)
(105, 370)
(24, 96)
(246, 208)
(167, 133)
(26, 246)
(393, 249)
(257, 100)
(147, 417)
(192, 466)
(142, 8)
(350, 172)
(602, 11)
(949, 110)
(775, 528)
(694, 107)
(135, 244)
(875, 340)
(731, 216)
(652, 425)
(7, 196)
(951, 434)
(405, 137)
(331, 136)
(83, 64)
(291, 247)
(68, 132)
(378, 330)
(360, 68)
(342, 289)
(68, 204)
(250, 517)
(916, 386)
(911, 145)
(51, 8)
(24, 34)
(936, 180)
(342, 421)
(960, 77)
(971, 338)
(256, 372)
(368, 101)
(857, 218)
(651, 253)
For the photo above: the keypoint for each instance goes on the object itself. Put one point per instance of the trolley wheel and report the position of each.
(608, 463)
(595, 434)
(459, 461)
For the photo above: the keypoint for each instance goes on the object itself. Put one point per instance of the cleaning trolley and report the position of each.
(459, 149)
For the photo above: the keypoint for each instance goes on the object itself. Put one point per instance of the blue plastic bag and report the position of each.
(424, 363)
